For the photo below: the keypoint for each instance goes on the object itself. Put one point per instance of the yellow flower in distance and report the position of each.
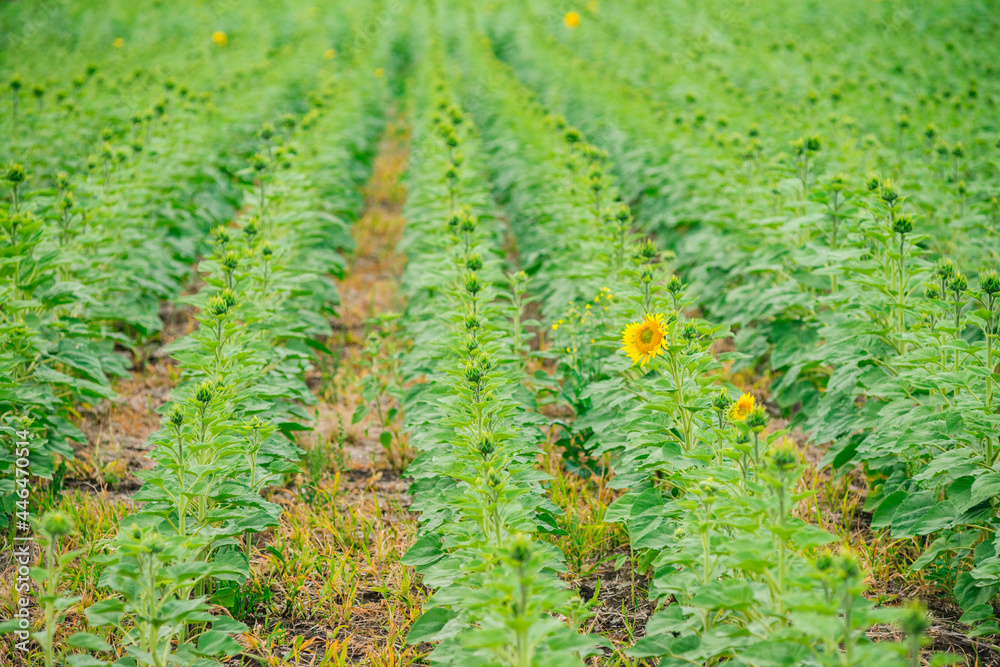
(593, 6)
(380, 72)
(118, 43)
(329, 54)
(572, 19)
(220, 38)
(742, 408)
(644, 340)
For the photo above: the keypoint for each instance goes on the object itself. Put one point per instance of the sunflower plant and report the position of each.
(480, 498)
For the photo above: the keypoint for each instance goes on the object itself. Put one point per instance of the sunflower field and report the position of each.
(530, 333)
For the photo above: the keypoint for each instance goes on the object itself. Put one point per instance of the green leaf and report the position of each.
(214, 643)
(359, 413)
(985, 486)
(968, 594)
(236, 562)
(887, 508)
(89, 641)
(424, 551)
(846, 454)
(806, 536)
(84, 660)
(274, 551)
(734, 594)
(429, 625)
(660, 645)
(105, 612)
(316, 345)
(227, 624)
(6, 627)
(911, 512)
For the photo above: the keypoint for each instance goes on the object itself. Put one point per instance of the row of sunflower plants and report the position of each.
(709, 506)
(934, 141)
(840, 324)
(497, 597)
(707, 488)
(228, 431)
(69, 90)
(880, 338)
(573, 233)
(66, 309)
(97, 244)
(912, 396)
(772, 193)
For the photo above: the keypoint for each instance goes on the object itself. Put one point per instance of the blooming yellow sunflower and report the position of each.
(572, 19)
(220, 38)
(742, 408)
(644, 340)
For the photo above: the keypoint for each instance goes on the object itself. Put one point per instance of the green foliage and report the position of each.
(614, 215)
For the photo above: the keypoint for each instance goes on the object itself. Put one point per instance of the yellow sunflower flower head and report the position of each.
(742, 408)
(572, 19)
(646, 339)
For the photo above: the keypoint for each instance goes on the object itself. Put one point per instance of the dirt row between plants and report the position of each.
(341, 593)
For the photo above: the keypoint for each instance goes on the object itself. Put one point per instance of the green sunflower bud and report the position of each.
(958, 283)
(220, 235)
(252, 228)
(258, 162)
(205, 392)
(873, 182)
(944, 269)
(757, 419)
(722, 400)
(486, 447)
(849, 566)
(888, 192)
(989, 282)
(176, 416)
(15, 174)
(56, 524)
(903, 224)
(520, 552)
(784, 457)
(825, 561)
(473, 285)
(231, 261)
(708, 488)
(646, 250)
